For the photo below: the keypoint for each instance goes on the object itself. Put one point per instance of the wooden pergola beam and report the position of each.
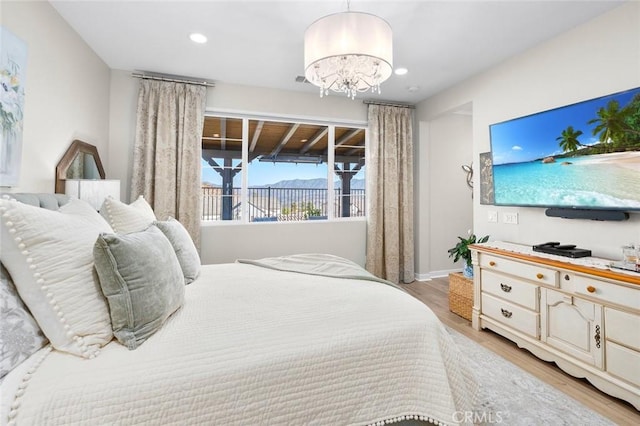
(217, 153)
(223, 133)
(285, 139)
(236, 155)
(314, 140)
(347, 137)
(358, 148)
(256, 135)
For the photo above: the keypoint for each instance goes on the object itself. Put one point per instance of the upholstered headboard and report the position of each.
(44, 200)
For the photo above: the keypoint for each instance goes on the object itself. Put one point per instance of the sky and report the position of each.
(263, 173)
(534, 136)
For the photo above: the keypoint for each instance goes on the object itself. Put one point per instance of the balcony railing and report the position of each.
(280, 204)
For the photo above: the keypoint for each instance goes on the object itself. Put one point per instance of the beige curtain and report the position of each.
(390, 190)
(167, 151)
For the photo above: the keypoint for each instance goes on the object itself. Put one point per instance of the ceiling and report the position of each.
(280, 142)
(260, 43)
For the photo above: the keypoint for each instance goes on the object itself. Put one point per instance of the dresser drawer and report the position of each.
(623, 362)
(511, 315)
(510, 289)
(534, 273)
(623, 328)
(605, 291)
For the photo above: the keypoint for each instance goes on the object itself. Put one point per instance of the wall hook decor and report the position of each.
(469, 170)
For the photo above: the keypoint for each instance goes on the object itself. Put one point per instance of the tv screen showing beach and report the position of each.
(585, 155)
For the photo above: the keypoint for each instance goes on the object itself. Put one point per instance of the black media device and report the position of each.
(566, 213)
(567, 250)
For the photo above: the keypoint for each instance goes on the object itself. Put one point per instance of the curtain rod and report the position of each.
(173, 79)
(386, 103)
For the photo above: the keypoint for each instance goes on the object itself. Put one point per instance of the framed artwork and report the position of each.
(486, 178)
(13, 63)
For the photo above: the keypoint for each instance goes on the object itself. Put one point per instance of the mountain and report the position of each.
(304, 191)
(297, 184)
(310, 184)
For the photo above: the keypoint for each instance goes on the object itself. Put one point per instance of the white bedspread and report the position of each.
(322, 264)
(256, 346)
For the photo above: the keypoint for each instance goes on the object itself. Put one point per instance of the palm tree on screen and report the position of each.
(632, 120)
(568, 139)
(610, 122)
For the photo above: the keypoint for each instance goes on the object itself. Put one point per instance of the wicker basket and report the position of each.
(460, 295)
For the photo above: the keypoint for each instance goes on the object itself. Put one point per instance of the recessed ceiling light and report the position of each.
(401, 71)
(198, 38)
(413, 89)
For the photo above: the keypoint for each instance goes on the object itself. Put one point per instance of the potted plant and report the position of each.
(461, 251)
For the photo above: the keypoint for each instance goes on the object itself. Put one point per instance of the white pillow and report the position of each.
(183, 245)
(126, 218)
(49, 255)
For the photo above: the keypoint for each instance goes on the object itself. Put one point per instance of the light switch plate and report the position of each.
(510, 218)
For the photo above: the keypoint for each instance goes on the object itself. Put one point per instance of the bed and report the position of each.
(307, 339)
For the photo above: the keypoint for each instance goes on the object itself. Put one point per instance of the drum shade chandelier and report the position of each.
(348, 52)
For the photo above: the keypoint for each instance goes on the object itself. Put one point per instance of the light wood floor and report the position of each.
(434, 294)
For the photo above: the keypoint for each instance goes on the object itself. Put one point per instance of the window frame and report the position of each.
(244, 190)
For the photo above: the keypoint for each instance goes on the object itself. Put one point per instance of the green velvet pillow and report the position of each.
(183, 245)
(142, 280)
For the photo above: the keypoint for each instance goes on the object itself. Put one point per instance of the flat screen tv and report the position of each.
(580, 156)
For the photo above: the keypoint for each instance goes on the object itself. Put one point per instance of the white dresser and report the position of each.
(585, 319)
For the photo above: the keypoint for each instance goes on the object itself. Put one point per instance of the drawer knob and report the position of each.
(492, 263)
(591, 289)
(505, 288)
(539, 276)
(506, 313)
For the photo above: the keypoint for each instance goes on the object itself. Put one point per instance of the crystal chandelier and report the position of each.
(348, 52)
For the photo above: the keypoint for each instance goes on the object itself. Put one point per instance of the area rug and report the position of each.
(511, 396)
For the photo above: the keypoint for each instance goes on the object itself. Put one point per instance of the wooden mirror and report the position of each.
(81, 161)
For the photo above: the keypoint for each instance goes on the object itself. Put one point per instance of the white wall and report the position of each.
(229, 241)
(445, 205)
(592, 60)
(222, 243)
(67, 92)
(122, 122)
(258, 100)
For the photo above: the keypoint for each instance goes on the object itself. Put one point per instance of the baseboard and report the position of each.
(435, 274)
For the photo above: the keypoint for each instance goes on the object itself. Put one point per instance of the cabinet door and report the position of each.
(572, 325)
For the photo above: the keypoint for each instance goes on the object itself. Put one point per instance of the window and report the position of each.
(221, 168)
(349, 165)
(289, 165)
